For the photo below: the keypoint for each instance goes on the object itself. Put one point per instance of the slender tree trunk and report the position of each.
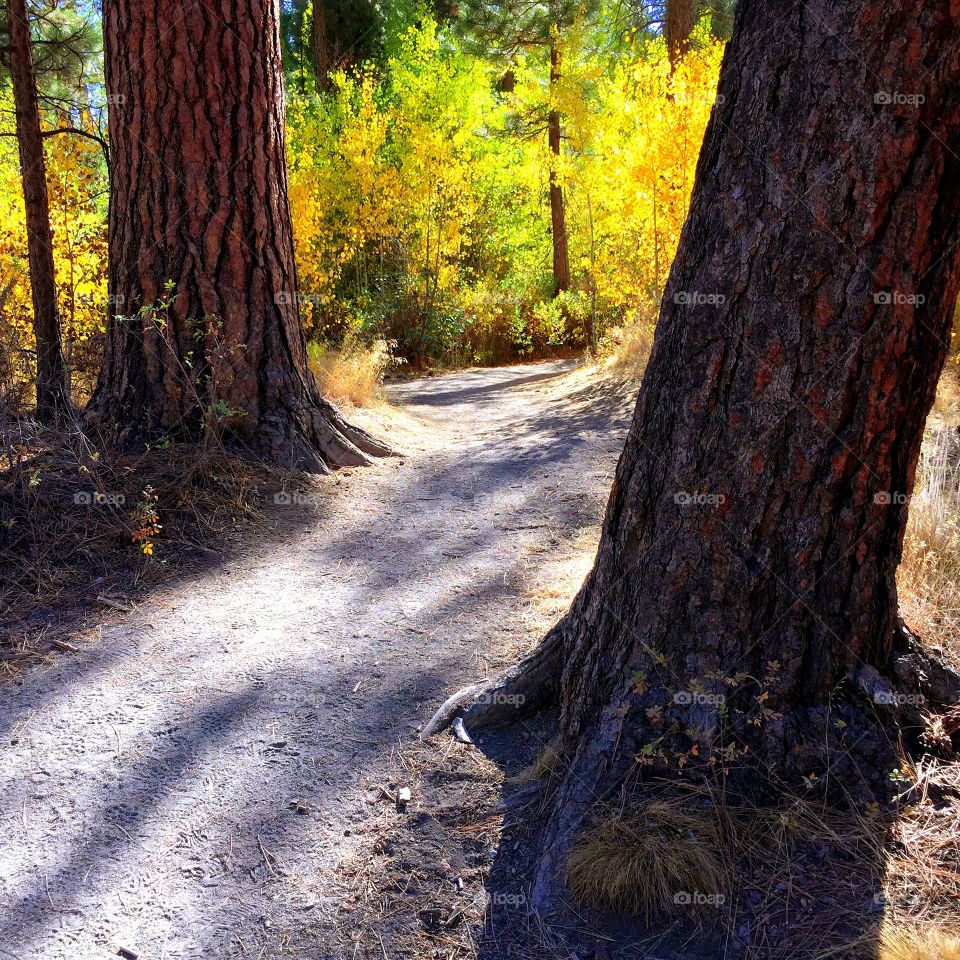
(741, 614)
(199, 218)
(319, 45)
(51, 374)
(681, 18)
(558, 214)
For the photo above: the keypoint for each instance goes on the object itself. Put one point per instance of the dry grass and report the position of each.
(548, 764)
(648, 860)
(806, 881)
(923, 944)
(354, 373)
(79, 519)
(624, 351)
(929, 574)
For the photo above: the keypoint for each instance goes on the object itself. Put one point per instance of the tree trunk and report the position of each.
(680, 19)
(741, 614)
(51, 373)
(318, 45)
(200, 225)
(558, 214)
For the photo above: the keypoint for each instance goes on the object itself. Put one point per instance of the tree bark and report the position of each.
(680, 19)
(200, 221)
(52, 394)
(319, 45)
(741, 614)
(558, 214)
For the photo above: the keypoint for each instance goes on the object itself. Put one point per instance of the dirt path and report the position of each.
(190, 783)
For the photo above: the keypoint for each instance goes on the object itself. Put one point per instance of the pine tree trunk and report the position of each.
(51, 372)
(741, 614)
(318, 45)
(680, 21)
(199, 218)
(558, 214)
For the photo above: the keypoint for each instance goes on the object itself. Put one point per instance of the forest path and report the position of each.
(188, 784)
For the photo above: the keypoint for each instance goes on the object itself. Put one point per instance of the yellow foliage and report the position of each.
(75, 187)
(419, 194)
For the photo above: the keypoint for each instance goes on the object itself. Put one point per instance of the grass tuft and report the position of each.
(625, 350)
(546, 765)
(354, 373)
(650, 861)
(925, 944)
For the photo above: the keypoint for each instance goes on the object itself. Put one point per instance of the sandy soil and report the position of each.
(212, 774)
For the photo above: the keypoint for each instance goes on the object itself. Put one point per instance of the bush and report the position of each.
(352, 374)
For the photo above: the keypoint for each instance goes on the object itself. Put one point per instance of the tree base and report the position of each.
(308, 433)
(848, 754)
(314, 437)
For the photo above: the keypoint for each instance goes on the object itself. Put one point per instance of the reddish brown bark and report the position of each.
(558, 213)
(680, 19)
(319, 45)
(742, 609)
(199, 207)
(51, 371)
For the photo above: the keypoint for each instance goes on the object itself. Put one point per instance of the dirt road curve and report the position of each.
(189, 783)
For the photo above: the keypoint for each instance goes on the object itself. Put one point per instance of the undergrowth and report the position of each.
(929, 573)
(78, 518)
(353, 373)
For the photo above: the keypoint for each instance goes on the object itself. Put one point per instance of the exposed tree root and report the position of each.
(316, 438)
(448, 709)
(853, 742)
(530, 685)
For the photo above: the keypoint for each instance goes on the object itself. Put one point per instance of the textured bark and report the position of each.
(51, 372)
(680, 19)
(756, 520)
(558, 213)
(319, 45)
(199, 208)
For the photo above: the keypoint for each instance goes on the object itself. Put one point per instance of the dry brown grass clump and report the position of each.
(354, 373)
(922, 944)
(547, 764)
(625, 350)
(650, 861)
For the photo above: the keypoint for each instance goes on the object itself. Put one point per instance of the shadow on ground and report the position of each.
(213, 772)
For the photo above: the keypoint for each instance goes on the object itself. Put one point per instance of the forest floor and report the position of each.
(217, 772)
